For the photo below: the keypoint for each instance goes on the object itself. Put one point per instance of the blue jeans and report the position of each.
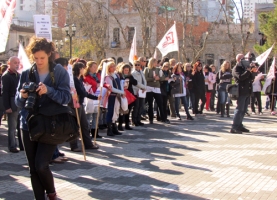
(12, 126)
(91, 118)
(177, 103)
(222, 96)
(240, 111)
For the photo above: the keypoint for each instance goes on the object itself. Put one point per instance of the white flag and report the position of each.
(247, 55)
(6, 15)
(169, 42)
(24, 60)
(133, 51)
(155, 54)
(270, 75)
(262, 58)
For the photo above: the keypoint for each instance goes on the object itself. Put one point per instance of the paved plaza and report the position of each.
(183, 160)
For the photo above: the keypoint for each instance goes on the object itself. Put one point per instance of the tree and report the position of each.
(268, 27)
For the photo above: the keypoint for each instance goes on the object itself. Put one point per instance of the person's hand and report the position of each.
(9, 110)
(24, 94)
(157, 78)
(42, 89)
(124, 95)
(99, 97)
(143, 91)
(167, 78)
(262, 77)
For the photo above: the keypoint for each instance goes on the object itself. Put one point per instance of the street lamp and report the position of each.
(70, 32)
(59, 45)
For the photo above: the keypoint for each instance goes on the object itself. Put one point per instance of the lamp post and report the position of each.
(70, 32)
(59, 45)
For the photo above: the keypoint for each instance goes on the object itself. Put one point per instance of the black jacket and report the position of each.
(9, 86)
(243, 78)
(81, 91)
(164, 85)
(132, 82)
(198, 81)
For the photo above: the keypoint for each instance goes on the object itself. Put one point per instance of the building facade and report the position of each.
(250, 7)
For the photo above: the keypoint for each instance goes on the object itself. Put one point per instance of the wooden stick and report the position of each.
(272, 98)
(97, 119)
(80, 131)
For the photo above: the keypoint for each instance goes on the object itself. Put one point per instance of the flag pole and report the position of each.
(97, 118)
(272, 95)
(80, 131)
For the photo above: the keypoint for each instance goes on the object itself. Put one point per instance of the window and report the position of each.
(119, 60)
(21, 1)
(21, 8)
(116, 35)
(131, 33)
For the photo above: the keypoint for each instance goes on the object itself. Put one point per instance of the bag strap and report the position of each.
(32, 76)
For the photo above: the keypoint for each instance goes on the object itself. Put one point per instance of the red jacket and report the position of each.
(91, 81)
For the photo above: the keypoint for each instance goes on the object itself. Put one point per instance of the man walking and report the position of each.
(10, 81)
(243, 78)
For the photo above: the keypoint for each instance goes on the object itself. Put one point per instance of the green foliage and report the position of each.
(268, 26)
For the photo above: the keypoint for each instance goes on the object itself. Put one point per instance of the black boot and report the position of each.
(127, 126)
(222, 110)
(179, 116)
(115, 130)
(189, 117)
(120, 128)
(228, 110)
(109, 131)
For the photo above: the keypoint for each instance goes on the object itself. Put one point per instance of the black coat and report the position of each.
(164, 85)
(198, 81)
(132, 81)
(243, 78)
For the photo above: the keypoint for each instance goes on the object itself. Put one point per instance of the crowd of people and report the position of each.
(160, 89)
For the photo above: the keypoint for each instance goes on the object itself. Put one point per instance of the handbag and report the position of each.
(52, 124)
(91, 106)
(233, 91)
(130, 97)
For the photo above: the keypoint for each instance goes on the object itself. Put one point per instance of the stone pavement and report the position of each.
(184, 160)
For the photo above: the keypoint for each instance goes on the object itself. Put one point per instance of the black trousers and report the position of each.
(39, 155)
(150, 96)
(272, 105)
(164, 105)
(137, 110)
(199, 96)
(256, 96)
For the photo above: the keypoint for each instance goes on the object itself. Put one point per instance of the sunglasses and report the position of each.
(137, 64)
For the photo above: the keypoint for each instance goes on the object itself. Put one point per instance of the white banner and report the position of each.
(24, 60)
(133, 50)
(270, 75)
(262, 58)
(42, 26)
(6, 14)
(169, 42)
(155, 54)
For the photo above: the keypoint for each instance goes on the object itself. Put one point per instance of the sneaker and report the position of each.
(265, 108)
(260, 113)
(253, 113)
(273, 113)
(244, 130)
(235, 131)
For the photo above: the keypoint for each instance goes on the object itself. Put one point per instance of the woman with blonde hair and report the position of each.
(153, 76)
(92, 79)
(112, 82)
(223, 78)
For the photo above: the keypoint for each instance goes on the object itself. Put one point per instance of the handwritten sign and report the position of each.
(42, 26)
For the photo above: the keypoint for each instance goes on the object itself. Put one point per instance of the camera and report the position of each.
(30, 88)
(245, 63)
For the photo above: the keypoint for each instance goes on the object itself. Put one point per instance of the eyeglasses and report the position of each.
(137, 64)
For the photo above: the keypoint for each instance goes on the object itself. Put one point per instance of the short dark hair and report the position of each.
(77, 66)
(62, 61)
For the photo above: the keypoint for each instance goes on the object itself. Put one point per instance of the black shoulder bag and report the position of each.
(52, 124)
